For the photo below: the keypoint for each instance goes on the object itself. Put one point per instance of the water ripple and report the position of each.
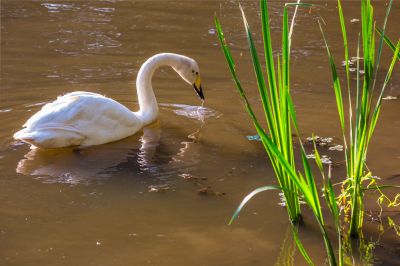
(192, 111)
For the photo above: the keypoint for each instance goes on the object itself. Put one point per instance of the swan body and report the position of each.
(84, 118)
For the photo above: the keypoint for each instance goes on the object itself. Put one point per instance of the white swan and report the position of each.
(85, 119)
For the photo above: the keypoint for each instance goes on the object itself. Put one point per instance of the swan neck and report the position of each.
(148, 111)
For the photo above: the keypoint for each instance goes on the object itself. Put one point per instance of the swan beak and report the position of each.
(197, 88)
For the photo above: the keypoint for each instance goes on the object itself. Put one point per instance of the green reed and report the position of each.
(275, 100)
(367, 106)
(280, 116)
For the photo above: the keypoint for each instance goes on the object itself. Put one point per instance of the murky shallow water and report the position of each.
(164, 195)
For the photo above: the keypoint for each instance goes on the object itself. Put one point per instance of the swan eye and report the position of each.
(197, 73)
(193, 71)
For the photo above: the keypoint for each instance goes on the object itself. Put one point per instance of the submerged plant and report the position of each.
(362, 126)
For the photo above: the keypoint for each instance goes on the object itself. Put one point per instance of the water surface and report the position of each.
(164, 195)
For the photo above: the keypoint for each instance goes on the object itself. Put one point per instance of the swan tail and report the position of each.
(49, 138)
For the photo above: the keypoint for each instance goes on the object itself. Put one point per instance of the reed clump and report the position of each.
(280, 118)
(363, 117)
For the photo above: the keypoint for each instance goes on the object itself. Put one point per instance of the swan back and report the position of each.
(79, 118)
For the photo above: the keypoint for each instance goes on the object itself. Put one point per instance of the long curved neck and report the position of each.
(148, 111)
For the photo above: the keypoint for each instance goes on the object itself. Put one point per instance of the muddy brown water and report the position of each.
(93, 206)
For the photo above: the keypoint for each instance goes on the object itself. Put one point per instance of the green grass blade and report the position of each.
(300, 182)
(269, 112)
(311, 187)
(332, 204)
(388, 42)
(328, 246)
(344, 35)
(381, 42)
(318, 158)
(283, 117)
(249, 197)
(328, 188)
(269, 58)
(378, 105)
(300, 246)
(354, 151)
(376, 187)
(231, 64)
(285, 53)
(336, 82)
(346, 55)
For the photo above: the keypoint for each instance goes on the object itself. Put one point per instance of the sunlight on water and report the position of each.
(192, 111)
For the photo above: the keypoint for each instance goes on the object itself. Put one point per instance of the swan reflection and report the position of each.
(74, 166)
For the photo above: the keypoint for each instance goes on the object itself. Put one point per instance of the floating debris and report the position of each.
(204, 190)
(320, 141)
(211, 31)
(283, 200)
(353, 69)
(354, 20)
(191, 177)
(254, 137)
(310, 156)
(327, 140)
(325, 159)
(158, 188)
(102, 9)
(208, 191)
(59, 7)
(351, 63)
(389, 98)
(336, 148)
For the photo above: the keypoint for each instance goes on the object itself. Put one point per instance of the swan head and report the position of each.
(189, 71)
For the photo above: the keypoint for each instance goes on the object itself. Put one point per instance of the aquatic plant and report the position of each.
(357, 136)
(279, 115)
(275, 100)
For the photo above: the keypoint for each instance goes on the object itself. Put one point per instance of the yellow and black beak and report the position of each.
(197, 87)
